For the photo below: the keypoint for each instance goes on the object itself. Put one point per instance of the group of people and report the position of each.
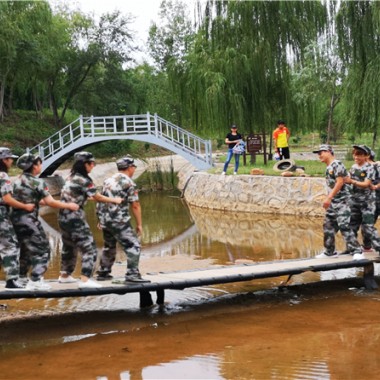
(280, 137)
(352, 202)
(24, 247)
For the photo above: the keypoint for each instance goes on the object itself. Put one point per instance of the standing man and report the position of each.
(337, 206)
(281, 140)
(114, 220)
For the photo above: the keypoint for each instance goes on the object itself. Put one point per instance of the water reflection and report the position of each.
(270, 334)
(260, 237)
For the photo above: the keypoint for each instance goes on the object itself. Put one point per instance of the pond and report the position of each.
(248, 330)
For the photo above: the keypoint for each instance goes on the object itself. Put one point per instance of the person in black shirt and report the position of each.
(231, 140)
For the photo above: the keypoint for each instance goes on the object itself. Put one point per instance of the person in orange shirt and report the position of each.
(281, 140)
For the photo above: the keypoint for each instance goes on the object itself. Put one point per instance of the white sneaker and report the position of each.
(324, 256)
(223, 173)
(37, 285)
(66, 280)
(358, 256)
(235, 173)
(88, 284)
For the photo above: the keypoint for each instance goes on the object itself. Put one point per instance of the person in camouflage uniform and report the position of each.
(34, 245)
(114, 220)
(375, 186)
(9, 247)
(76, 233)
(337, 206)
(363, 199)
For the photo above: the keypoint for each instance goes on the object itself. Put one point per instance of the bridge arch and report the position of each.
(87, 131)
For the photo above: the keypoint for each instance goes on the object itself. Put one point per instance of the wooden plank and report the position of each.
(195, 278)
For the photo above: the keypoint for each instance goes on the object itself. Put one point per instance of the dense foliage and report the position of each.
(214, 63)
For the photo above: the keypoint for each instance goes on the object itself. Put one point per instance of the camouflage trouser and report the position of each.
(34, 245)
(127, 238)
(76, 235)
(9, 249)
(363, 215)
(367, 239)
(338, 219)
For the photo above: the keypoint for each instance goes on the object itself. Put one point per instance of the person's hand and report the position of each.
(29, 207)
(139, 230)
(348, 180)
(73, 206)
(98, 226)
(327, 202)
(118, 200)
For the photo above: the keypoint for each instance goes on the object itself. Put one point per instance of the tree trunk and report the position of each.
(2, 91)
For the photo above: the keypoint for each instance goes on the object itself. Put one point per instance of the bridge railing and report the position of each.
(97, 127)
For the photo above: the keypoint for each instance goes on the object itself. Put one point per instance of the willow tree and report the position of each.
(237, 70)
(358, 30)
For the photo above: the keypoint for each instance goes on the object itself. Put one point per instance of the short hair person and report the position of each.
(115, 222)
(9, 248)
(336, 204)
(281, 137)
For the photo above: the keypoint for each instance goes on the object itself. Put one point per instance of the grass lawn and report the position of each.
(313, 168)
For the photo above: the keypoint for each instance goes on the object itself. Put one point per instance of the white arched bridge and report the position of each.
(86, 131)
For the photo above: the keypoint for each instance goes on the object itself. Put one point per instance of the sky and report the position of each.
(144, 12)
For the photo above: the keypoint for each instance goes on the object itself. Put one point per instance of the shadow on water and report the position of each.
(256, 329)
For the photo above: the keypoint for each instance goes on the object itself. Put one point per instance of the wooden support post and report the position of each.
(145, 299)
(160, 296)
(369, 278)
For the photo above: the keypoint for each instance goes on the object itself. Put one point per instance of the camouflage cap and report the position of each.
(363, 148)
(84, 157)
(6, 153)
(125, 163)
(372, 155)
(324, 148)
(26, 161)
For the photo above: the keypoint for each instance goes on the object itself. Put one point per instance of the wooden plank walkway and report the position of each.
(210, 276)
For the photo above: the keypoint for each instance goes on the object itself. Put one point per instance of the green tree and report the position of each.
(358, 32)
(238, 69)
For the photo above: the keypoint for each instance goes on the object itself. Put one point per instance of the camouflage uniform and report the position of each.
(115, 222)
(375, 181)
(337, 216)
(9, 248)
(363, 205)
(34, 245)
(76, 233)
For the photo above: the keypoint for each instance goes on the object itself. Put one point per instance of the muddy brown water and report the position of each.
(323, 326)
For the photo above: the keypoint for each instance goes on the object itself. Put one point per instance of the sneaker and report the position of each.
(37, 285)
(324, 255)
(14, 284)
(223, 173)
(135, 278)
(104, 277)
(235, 173)
(89, 284)
(66, 280)
(23, 280)
(358, 256)
(368, 249)
(345, 253)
